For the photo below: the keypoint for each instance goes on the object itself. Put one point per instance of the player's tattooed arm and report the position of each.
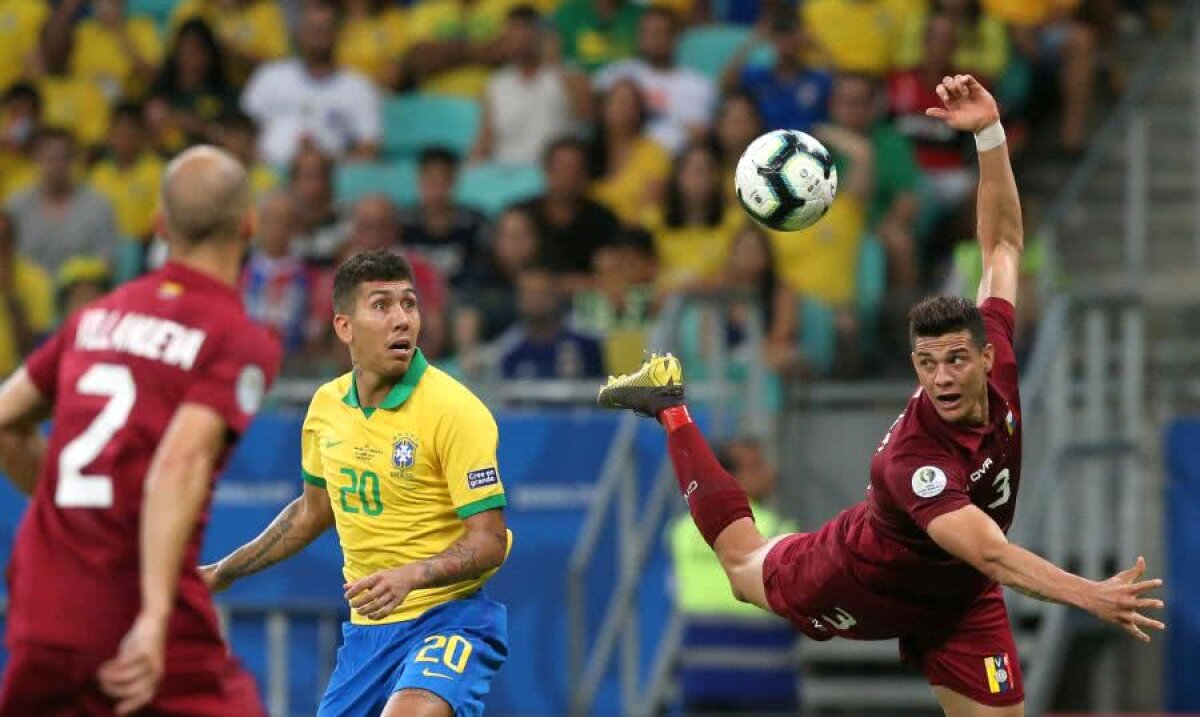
(297, 525)
(482, 548)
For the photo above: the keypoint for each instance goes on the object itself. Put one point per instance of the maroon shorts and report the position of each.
(969, 650)
(46, 681)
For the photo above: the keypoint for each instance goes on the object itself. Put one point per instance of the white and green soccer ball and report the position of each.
(786, 180)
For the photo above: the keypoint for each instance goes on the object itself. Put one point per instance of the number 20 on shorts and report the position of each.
(455, 651)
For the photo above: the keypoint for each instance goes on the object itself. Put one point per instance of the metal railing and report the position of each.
(620, 636)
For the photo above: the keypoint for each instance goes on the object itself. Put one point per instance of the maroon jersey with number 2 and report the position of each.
(116, 373)
(873, 573)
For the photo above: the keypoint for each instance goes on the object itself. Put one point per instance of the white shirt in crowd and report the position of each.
(676, 99)
(340, 111)
(527, 113)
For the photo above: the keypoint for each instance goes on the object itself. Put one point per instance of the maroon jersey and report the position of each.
(116, 373)
(926, 467)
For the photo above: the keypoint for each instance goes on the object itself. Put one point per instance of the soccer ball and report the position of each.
(786, 180)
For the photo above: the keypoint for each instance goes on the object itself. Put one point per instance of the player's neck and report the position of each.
(978, 416)
(372, 387)
(212, 260)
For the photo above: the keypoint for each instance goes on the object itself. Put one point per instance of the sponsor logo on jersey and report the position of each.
(928, 481)
(483, 478)
(999, 674)
(983, 469)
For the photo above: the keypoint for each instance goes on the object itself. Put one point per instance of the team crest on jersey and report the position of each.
(999, 674)
(404, 452)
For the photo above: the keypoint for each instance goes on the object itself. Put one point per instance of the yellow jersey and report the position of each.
(257, 29)
(822, 260)
(857, 35)
(76, 105)
(34, 292)
(402, 477)
(133, 192)
(20, 26)
(370, 45)
(99, 56)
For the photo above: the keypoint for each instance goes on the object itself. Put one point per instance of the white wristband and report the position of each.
(989, 137)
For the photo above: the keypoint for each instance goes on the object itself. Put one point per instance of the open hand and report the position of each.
(376, 596)
(1119, 600)
(966, 105)
(131, 678)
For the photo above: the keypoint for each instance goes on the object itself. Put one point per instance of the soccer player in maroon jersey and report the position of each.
(148, 388)
(922, 559)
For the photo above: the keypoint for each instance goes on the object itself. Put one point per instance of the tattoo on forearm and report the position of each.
(458, 563)
(275, 544)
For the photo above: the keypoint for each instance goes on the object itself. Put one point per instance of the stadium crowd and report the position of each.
(553, 169)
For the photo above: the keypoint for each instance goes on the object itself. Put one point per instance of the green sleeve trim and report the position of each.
(311, 479)
(492, 501)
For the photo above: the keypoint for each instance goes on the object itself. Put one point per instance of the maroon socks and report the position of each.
(713, 495)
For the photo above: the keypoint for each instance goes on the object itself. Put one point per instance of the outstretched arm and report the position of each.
(297, 525)
(482, 548)
(968, 107)
(972, 536)
(22, 446)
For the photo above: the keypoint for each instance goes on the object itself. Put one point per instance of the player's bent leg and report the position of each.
(957, 705)
(415, 702)
(743, 551)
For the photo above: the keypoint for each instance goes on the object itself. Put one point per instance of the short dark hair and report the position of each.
(127, 111)
(437, 155)
(54, 134)
(525, 13)
(235, 120)
(567, 142)
(23, 91)
(374, 265)
(940, 315)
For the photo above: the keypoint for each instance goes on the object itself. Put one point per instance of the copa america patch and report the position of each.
(928, 481)
(250, 387)
(483, 478)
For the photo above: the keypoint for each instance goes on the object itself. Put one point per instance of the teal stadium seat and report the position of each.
(708, 49)
(818, 334)
(396, 179)
(158, 10)
(491, 188)
(412, 122)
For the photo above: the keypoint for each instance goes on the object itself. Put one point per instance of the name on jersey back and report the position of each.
(148, 337)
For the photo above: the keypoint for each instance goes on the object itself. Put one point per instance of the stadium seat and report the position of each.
(708, 49)
(397, 179)
(818, 334)
(413, 122)
(491, 188)
(158, 10)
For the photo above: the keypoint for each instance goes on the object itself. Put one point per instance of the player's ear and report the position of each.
(989, 357)
(341, 327)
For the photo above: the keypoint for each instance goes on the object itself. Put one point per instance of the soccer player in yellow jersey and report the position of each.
(402, 459)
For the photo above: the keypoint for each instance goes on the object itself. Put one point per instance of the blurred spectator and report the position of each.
(239, 135)
(738, 124)
(701, 588)
(789, 94)
(571, 226)
(26, 300)
(20, 27)
(529, 102)
(820, 261)
(81, 280)
(490, 288)
(69, 102)
(454, 43)
(192, 91)
(129, 175)
(681, 100)
(448, 234)
(250, 31)
(594, 33)
(58, 218)
(278, 288)
(857, 35)
(753, 269)
(119, 53)
(20, 121)
(310, 100)
(982, 39)
(894, 204)
(694, 229)
(372, 39)
(321, 229)
(939, 147)
(541, 345)
(374, 225)
(629, 167)
(619, 305)
(1058, 44)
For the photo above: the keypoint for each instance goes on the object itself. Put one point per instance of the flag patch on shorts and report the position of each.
(482, 478)
(998, 673)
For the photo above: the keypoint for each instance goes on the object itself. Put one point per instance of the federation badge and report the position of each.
(404, 453)
(999, 674)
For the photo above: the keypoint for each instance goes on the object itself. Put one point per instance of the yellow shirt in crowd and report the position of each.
(75, 104)
(34, 291)
(99, 55)
(370, 45)
(1028, 13)
(257, 29)
(822, 261)
(133, 192)
(858, 35)
(688, 254)
(625, 193)
(20, 25)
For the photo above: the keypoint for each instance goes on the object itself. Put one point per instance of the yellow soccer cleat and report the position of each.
(658, 384)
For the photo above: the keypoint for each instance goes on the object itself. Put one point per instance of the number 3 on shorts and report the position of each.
(455, 651)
